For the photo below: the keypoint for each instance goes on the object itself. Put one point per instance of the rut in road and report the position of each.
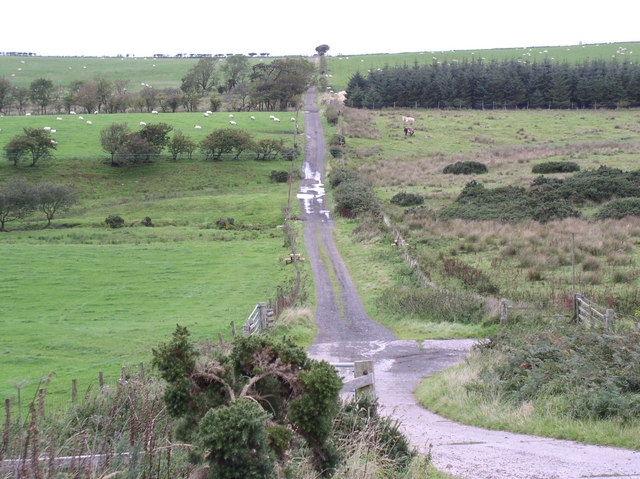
(347, 334)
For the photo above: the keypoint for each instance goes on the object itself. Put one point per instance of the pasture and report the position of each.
(157, 72)
(529, 263)
(342, 67)
(79, 298)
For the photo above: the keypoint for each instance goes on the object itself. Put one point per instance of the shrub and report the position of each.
(338, 175)
(407, 199)
(336, 151)
(114, 221)
(555, 167)
(225, 223)
(355, 197)
(147, 222)
(338, 140)
(465, 168)
(619, 208)
(332, 115)
(279, 176)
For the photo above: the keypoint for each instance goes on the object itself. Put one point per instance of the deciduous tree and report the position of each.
(17, 200)
(41, 93)
(52, 198)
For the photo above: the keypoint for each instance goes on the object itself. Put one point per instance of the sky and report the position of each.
(288, 27)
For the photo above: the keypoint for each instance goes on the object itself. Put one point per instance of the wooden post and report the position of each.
(74, 391)
(262, 308)
(504, 311)
(41, 397)
(233, 328)
(142, 371)
(220, 339)
(7, 414)
(608, 320)
(101, 380)
(364, 368)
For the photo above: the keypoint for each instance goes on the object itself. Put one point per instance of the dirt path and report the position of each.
(348, 334)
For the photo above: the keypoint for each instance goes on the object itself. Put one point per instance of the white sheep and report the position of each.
(54, 131)
(154, 112)
(252, 117)
(142, 123)
(95, 112)
(206, 114)
(80, 118)
(271, 117)
(72, 112)
(231, 115)
(89, 122)
(231, 122)
(209, 112)
(59, 118)
(197, 127)
(293, 118)
(47, 128)
(276, 120)
(27, 114)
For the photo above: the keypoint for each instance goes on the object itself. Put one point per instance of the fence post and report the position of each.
(363, 368)
(74, 391)
(262, 308)
(142, 371)
(101, 380)
(233, 328)
(608, 320)
(504, 311)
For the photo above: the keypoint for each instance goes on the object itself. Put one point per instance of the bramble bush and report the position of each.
(598, 373)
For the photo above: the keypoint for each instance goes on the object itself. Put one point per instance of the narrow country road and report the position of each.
(346, 334)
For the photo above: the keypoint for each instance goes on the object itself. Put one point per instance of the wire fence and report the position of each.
(594, 315)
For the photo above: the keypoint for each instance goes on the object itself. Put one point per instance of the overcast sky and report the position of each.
(288, 27)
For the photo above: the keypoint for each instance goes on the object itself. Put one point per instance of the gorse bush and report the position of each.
(114, 221)
(353, 195)
(407, 199)
(465, 168)
(619, 208)
(555, 167)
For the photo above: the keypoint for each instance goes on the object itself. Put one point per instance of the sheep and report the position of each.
(54, 131)
(154, 112)
(209, 112)
(293, 118)
(80, 118)
(231, 115)
(252, 117)
(271, 117)
(408, 119)
(47, 128)
(72, 112)
(58, 118)
(27, 114)
(206, 114)
(142, 123)
(231, 122)
(276, 120)
(197, 126)
(95, 112)
(89, 122)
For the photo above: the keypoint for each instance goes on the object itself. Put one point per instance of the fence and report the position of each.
(363, 381)
(596, 316)
(257, 320)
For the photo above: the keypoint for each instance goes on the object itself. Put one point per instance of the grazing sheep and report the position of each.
(27, 114)
(54, 131)
(142, 123)
(209, 112)
(271, 117)
(206, 114)
(95, 112)
(58, 118)
(293, 118)
(408, 119)
(231, 115)
(72, 113)
(89, 122)
(154, 112)
(232, 122)
(197, 126)
(252, 117)
(276, 120)
(47, 128)
(80, 118)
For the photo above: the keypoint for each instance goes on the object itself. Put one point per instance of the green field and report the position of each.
(79, 298)
(157, 72)
(341, 68)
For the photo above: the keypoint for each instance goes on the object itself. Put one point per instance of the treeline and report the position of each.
(479, 84)
(209, 85)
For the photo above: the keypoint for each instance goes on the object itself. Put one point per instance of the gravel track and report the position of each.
(347, 334)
